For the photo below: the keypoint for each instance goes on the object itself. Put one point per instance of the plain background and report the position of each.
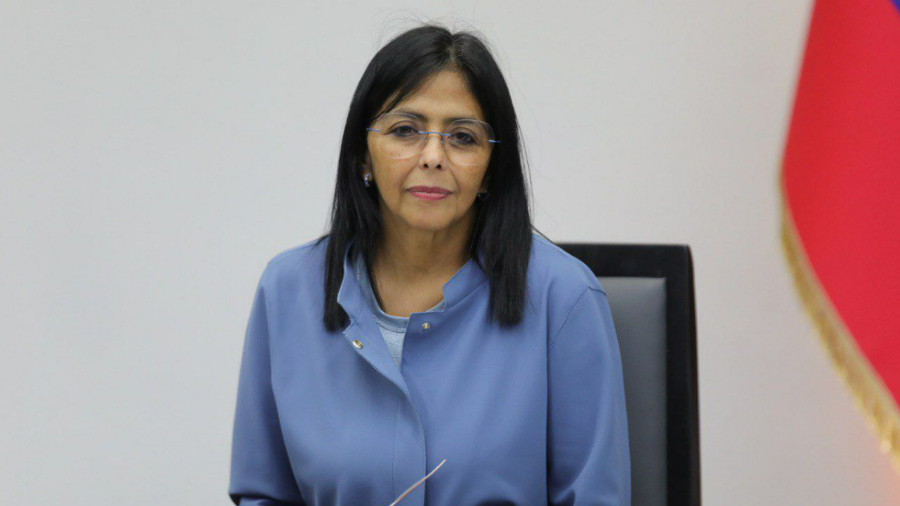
(156, 154)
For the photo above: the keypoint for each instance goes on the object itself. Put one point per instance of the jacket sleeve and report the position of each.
(587, 433)
(261, 474)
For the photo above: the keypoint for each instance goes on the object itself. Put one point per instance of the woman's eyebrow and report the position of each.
(424, 117)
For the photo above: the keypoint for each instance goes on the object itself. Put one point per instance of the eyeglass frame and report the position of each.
(426, 133)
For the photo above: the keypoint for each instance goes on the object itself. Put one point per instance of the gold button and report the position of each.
(357, 343)
(426, 326)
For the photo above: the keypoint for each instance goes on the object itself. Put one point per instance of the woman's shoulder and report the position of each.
(554, 265)
(558, 278)
(303, 261)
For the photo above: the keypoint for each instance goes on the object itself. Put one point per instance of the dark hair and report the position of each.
(503, 229)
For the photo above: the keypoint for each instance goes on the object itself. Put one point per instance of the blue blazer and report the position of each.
(528, 416)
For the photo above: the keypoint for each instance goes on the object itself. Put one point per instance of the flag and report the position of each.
(840, 199)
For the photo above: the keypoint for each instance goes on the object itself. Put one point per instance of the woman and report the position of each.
(510, 376)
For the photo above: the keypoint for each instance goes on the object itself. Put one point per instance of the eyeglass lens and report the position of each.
(467, 142)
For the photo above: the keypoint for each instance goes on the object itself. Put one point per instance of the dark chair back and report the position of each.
(650, 289)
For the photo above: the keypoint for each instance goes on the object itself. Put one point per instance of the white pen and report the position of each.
(416, 484)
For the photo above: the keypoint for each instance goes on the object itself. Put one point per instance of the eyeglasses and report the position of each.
(416, 484)
(466, 142)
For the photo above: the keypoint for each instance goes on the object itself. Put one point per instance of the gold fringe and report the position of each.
(870, 394)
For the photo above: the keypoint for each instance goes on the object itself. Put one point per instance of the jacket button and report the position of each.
(426, 326)
(357, 343)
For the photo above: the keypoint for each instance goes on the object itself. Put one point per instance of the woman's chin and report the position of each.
(428, 222)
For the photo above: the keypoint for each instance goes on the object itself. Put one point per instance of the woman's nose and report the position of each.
(433, 149)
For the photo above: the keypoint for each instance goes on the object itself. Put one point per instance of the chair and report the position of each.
(650, 289)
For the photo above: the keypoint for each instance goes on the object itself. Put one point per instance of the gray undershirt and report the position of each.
(393, 328)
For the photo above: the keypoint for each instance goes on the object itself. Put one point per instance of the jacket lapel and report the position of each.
(364, 329)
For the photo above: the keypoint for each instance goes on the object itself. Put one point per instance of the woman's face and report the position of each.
(445, 96)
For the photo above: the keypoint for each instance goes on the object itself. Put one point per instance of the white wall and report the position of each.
(155, 154)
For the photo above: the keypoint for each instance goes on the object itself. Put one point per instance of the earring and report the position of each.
(366, 180)
(482, 195)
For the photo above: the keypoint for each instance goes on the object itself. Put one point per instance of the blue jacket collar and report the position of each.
(363, 332)
(469, 277)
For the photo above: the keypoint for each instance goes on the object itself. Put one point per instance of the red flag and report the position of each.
(840, 189)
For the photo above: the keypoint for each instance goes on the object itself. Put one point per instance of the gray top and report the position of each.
(393, 328)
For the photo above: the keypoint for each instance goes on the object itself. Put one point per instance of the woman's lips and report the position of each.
(429, 193)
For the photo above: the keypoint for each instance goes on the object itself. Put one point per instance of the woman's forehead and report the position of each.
(445, 96)
(423, 116)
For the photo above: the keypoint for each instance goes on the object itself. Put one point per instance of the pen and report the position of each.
(416, 484)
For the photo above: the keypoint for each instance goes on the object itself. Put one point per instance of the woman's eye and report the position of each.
(463, 138)
(403, 130)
